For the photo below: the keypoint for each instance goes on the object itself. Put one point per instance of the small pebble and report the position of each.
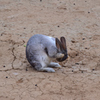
(83, 39)
(58, 26)
(88, 12)
(77, 63)
(40, 0)
(85, 48)
(15, 73)
(73, 41)
(74, 4)
(24, 28)
(72, 70)
(93, 69)
(4, 66)
(35, 84)
(81, 71)
(5, 25)
(26, 69)
(6, 76)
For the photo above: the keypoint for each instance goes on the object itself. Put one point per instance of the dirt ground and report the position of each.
(78, 21)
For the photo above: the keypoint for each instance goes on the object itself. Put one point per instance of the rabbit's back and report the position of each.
(42, 49)
(40, 41)
(35, 49)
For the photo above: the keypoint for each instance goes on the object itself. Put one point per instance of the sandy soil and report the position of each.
(78, 21)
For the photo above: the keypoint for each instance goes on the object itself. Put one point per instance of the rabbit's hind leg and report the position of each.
(47, 69)
(39, 67)
(53, 64)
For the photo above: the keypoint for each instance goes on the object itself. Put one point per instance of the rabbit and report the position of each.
(42, 49)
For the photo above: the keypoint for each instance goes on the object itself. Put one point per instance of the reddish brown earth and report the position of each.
(78, 21)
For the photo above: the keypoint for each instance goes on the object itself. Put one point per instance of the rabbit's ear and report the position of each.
(58, 44)
(63, 41)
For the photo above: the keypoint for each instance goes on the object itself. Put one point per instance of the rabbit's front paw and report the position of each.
(59, 55)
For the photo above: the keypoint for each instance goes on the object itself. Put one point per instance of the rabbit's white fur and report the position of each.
(47, 61)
